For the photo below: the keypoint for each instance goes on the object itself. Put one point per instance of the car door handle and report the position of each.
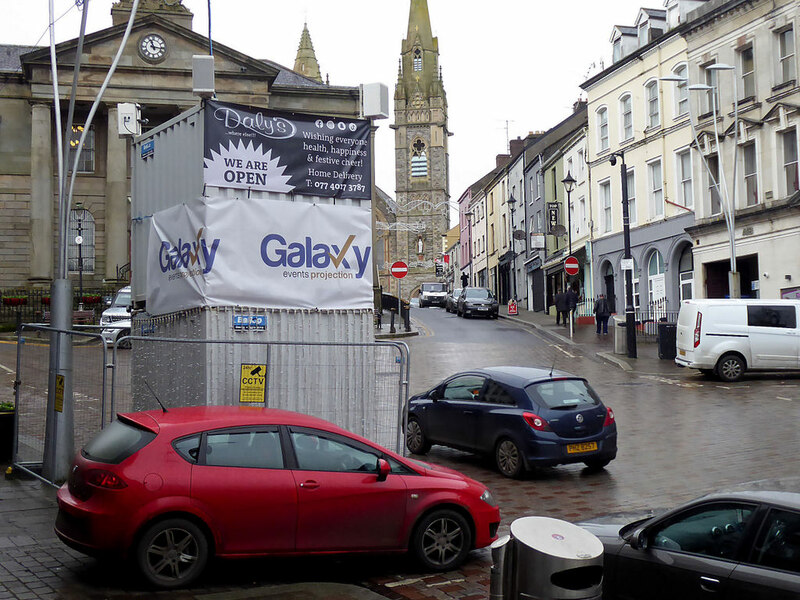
(709, 584)
(309, 485)
(470, 412)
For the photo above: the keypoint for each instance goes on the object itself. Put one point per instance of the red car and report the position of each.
(170, 489)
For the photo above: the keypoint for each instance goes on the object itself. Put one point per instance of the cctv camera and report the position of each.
(613, 160)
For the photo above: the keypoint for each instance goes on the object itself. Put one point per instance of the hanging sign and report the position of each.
(552, 216)
(273, 151)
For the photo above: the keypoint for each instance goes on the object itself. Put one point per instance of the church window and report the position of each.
(80, 257)
(419, 160)
(417, 59)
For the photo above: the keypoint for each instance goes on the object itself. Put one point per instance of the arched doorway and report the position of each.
(656, 284)
(608, 286)
(686, 274)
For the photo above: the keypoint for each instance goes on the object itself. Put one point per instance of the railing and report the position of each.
(31, 305)
(648, 318)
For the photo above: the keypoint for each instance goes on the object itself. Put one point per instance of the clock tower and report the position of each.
(421, 154)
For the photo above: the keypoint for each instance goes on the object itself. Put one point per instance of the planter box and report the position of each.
(6, 436)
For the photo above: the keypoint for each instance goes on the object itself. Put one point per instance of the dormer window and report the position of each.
(617, 55)
(644, 28)
(417, 59)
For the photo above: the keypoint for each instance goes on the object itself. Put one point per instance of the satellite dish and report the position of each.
(558, 230)
(518, 234)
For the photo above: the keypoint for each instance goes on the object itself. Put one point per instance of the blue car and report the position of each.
(525, 417)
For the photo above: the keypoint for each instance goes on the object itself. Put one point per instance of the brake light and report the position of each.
(105, 479)
(609, 417)
(535, 421)
(697, 327)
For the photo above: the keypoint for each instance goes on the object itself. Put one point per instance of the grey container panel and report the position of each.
(171, 176)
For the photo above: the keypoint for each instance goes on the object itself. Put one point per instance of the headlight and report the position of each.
(487, 497)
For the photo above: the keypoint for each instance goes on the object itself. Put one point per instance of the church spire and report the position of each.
(306, 61)
(419, 26)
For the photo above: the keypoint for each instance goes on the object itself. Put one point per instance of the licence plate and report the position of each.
(583, 447)
(682, 352)
(483, 308)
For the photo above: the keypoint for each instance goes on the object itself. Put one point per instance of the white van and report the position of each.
(729, 337)
(116, 319)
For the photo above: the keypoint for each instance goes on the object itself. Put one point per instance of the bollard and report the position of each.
(391, 323)
(407, 315)
(496, 584)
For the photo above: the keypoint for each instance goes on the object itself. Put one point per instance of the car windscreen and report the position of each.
(122, 300)
(433, 287)
(117, 442)
(456, 292)
(478, 294)
(562, 394)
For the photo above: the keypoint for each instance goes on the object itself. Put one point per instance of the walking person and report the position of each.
(561, 308)
(572, 301)
(601, 314)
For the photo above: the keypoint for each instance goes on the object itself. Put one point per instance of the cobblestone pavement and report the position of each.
(680, 435)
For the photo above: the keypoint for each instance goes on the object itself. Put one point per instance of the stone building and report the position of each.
(155, 71)
(421, 152)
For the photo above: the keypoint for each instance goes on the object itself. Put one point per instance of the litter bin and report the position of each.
(620, 339)
(667, 340)
(548, 559)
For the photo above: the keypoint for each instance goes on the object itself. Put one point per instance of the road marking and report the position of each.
(782, 398)
(560, 349)
(6, 369)
(448, 582)
(402, 582)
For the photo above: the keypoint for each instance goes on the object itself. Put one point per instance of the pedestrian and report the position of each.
(601, 314)
(562, 308)
(572, 301)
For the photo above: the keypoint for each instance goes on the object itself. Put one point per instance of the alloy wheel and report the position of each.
(508, 458)
(443, 541)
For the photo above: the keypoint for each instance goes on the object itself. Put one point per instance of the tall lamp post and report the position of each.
(569, 185)
(469, 214)
(729, 200)
(630, 317)
(512, 204)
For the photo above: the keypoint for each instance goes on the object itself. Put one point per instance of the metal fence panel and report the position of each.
(88, 389)
(361, 387)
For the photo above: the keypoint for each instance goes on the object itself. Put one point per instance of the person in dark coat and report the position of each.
(562, 308)
(572, 302)
(601, 314)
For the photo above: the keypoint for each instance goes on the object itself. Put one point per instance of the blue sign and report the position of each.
(242, 322)
(148, 148)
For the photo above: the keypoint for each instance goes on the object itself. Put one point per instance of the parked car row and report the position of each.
(466, 302)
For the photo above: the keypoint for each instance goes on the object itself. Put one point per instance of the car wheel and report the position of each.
(416, 442)
(730, 368)
(509, 459)
(597, 464)
(172, 553)
(125, 344)
(442, 540)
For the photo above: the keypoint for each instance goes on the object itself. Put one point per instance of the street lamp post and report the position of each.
(469, 215)
(569, 185)
(512, 203)
(729, 203)
(630, 317)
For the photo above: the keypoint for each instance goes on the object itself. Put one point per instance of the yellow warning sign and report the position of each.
(59, 404)
(253, 382)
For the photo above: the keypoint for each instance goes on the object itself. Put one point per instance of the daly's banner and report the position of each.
(259, 253)
(259, 149)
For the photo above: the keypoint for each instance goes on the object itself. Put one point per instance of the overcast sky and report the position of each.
(508, 66)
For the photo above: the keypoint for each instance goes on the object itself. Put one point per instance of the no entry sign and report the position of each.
(399, 269)
(571, 265)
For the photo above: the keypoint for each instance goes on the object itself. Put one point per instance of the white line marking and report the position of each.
(6, 369)
(560, 349)
(782, 398)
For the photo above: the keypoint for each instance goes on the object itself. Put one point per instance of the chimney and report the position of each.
(502, 160)
(579, 106)
(517, 146)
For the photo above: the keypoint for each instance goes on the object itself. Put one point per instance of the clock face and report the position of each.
(152, 47)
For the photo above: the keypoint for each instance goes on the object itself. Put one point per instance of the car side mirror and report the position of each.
(128, 308)
(638, 539)
(384, 468)
(435, 394)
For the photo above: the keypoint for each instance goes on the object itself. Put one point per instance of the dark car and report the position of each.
(525, 417)
(171, 490)
(451, 303)
(477, 301)
(732, 546)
